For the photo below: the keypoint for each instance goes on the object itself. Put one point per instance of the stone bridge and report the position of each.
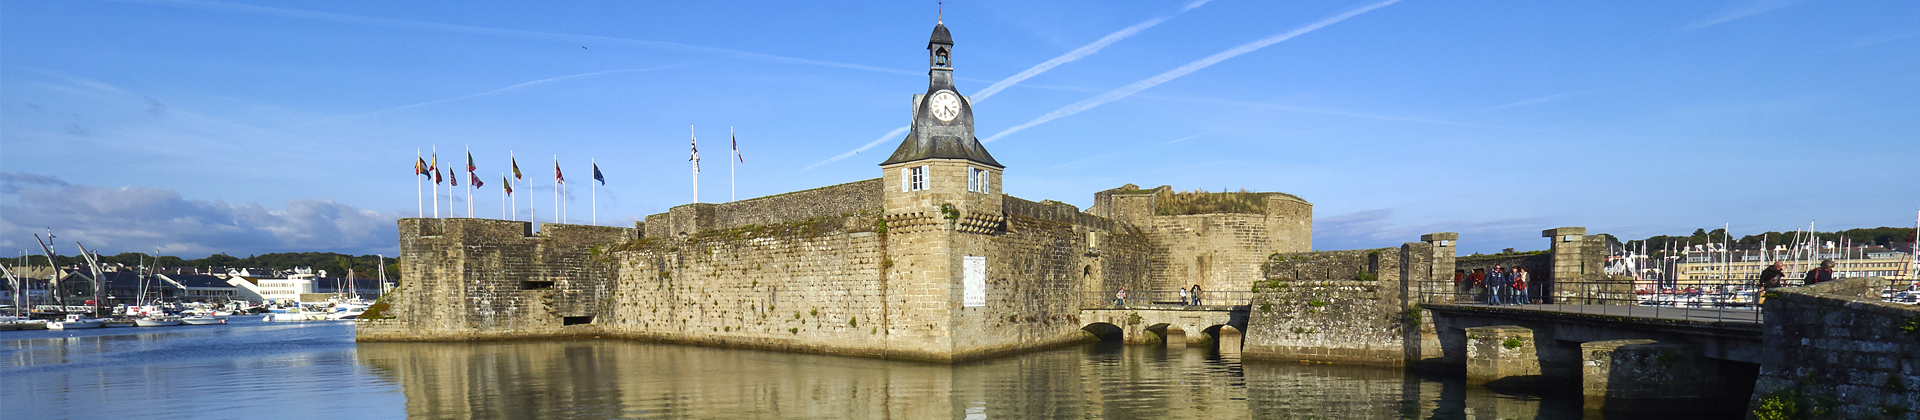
(1218, 322)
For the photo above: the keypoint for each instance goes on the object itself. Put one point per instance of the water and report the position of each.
(249, 369)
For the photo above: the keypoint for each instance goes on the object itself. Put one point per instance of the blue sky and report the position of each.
(250, 127)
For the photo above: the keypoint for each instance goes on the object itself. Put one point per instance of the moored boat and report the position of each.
(116, 323)
(203, 320)
(158, 321)
(75, 322)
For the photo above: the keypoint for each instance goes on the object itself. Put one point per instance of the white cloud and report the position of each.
(141, 219)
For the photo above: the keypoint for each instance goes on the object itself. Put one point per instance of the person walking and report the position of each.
(1183, 297)
(1497, 292)
(1196, 295)
(1120, 297)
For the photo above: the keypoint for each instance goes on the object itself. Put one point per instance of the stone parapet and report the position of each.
(1831, 351)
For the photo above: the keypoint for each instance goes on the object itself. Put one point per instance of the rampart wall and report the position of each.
(473, 279)
(829, 201)
(1352, 307)
(1835, 350)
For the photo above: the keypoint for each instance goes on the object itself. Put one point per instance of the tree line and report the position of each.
(1881, 236)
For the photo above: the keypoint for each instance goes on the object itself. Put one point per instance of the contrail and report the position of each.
(891, 135)
(410, 24)
(1029, 73)
(1136, 87)
(490, 92)
(1078, 53)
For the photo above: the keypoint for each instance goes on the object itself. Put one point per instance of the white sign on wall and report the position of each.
(973, 281)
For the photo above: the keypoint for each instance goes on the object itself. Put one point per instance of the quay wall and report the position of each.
(1836, 350)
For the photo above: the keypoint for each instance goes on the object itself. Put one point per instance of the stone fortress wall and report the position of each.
(828, 270)
(1215, 240)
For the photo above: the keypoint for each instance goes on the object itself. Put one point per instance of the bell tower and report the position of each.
(944, 219)
(941, 152)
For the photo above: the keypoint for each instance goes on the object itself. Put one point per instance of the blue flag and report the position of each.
(596, 174)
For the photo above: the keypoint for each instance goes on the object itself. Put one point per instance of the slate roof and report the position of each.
(940, 35)
(941, 147)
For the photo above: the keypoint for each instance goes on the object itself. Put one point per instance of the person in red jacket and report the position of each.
(1520, 286)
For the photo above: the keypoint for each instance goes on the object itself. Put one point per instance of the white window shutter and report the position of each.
(906, 179)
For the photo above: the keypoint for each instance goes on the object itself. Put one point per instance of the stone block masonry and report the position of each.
(472, 279)
(1345, 306)
(1835, 350)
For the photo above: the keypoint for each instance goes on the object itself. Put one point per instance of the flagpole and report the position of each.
(733, 184)
(419, 200)
(469, 182)
(516, 200)
(696, 163)
(436, 182)
(556, 188)
(595, 188)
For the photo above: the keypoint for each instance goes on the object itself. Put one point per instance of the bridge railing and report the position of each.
(1733, 301)
(1164, 299)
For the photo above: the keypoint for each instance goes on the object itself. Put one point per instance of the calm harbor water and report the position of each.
(249, 369)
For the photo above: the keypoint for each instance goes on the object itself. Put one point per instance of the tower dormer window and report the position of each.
(914, 179)
(977, 180)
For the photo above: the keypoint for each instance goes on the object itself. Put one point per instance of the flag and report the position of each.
(696, 152)
(596, 174)
(557, 178)
(452, 179)
(436, 168)
(736, 148)
(516, 168)
(505, 184)
(436, 175)
(470, 166)
(420, 166)
(476, 180)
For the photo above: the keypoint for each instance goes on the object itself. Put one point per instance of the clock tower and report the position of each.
(942, 117)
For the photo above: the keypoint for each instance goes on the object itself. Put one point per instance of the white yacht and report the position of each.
(158, 321)
(76, 321)
(203, 320)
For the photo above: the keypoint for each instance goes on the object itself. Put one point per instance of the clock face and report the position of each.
(945, 105)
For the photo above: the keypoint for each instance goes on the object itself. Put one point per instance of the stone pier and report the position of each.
(1645, 376)
(1501, 352)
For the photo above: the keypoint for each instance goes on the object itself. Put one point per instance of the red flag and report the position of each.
(557, 178)
(470, 166)
(476, 180)
(452, 179)
(436, 174)
(736, 148)
(505, 184)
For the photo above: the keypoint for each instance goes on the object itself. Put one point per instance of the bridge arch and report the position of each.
(1105, 331)
(1165, 334)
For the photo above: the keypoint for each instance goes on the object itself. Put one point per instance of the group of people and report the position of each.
(1189, 296)
(1775, 275)
(1501, 286)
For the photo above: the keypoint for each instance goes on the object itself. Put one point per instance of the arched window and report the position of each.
(940, 57)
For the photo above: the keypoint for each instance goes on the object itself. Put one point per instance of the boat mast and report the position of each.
(99, 286)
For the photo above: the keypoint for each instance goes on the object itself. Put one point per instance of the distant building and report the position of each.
(1743, 267)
